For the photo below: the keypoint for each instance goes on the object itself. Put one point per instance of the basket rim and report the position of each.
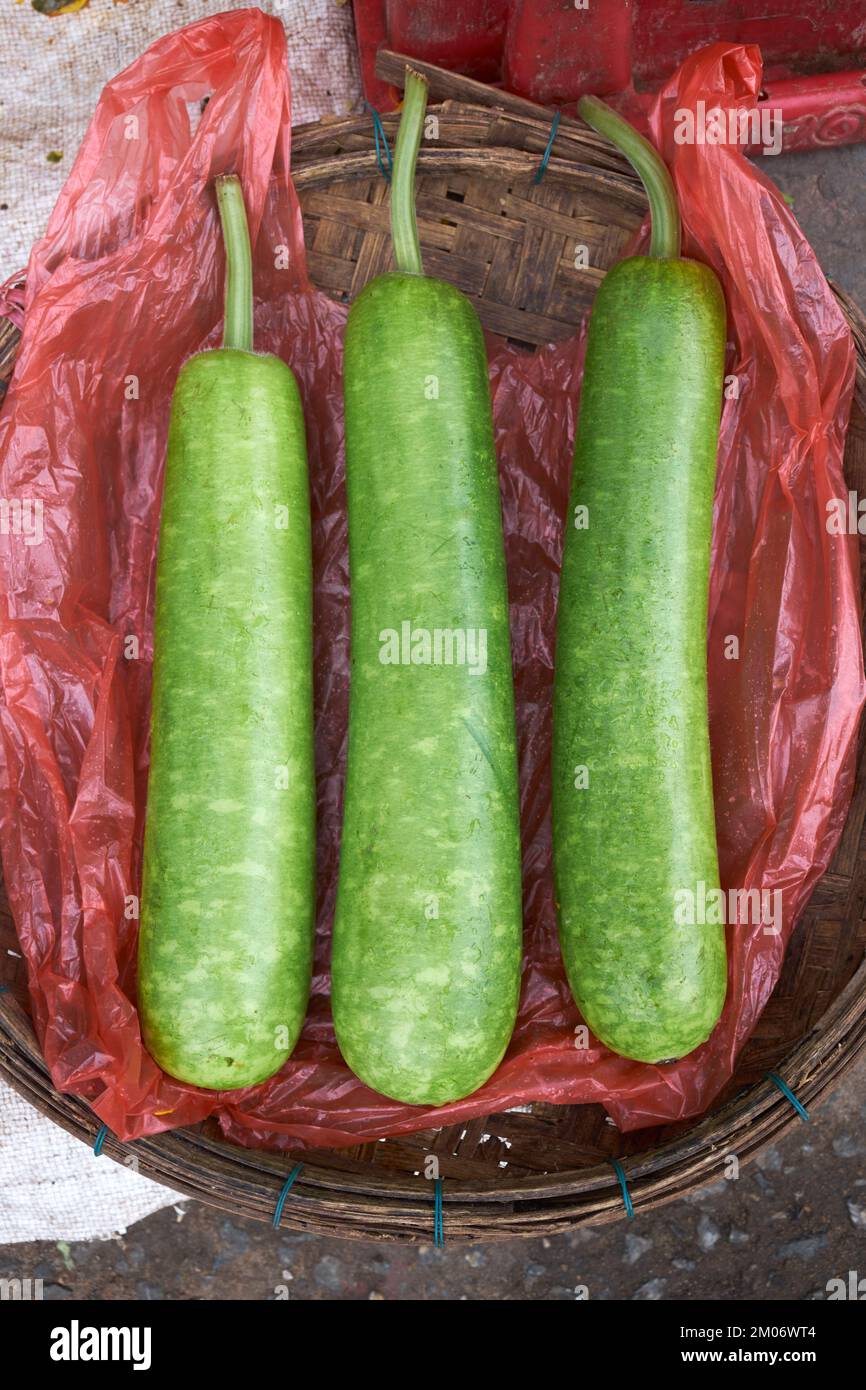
(519, 164)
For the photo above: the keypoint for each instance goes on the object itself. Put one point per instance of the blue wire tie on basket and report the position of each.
(381, 143)
(287, 1187)
(4, 989)
(789, 1095)
(100, 1140)
(618, 1169)
(539, 173)
(438, 1221)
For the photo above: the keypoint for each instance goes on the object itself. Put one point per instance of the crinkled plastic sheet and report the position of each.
(123, 287)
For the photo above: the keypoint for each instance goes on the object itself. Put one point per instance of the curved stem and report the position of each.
(238, 321)
(648, 164)
(404, 227)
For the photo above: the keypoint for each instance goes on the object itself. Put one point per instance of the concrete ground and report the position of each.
(829, 201)
(790, 1223)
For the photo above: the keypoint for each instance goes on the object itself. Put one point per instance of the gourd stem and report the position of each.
(238, 319)
(404, 226)
(649, 165)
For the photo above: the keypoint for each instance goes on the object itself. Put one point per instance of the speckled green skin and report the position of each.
(229, 856)
(424, 1005)
(630, 693)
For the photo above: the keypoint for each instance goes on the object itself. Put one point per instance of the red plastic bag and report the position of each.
(124, 286)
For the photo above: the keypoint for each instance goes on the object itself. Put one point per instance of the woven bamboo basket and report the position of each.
(507, 241)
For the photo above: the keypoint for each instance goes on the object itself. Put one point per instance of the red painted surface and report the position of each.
(829, 109)
(464, 37)
(797, 34)
(372, 34)
(552, 51)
